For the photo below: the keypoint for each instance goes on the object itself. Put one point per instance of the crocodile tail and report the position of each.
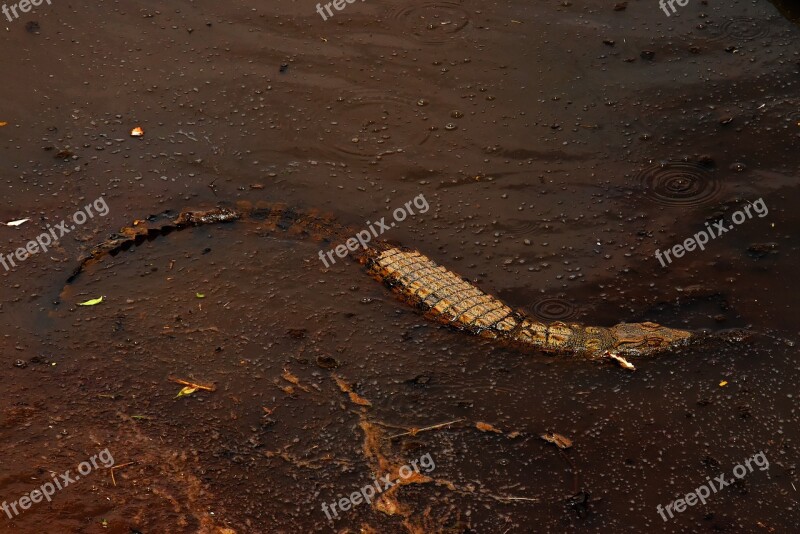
(441, 294)
(269, 217)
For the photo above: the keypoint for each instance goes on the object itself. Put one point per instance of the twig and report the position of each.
(118, 467)
(504, 498)
(192, 384)
(416, 431)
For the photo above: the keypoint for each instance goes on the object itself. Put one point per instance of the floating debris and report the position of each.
(92, 302)
(190, 387)
(185, 391)
(486, 427)
(625, 364)
(289, 377)
(562, 442)
(137, 132)
(17, 222)
(355, 398)
(414, 431)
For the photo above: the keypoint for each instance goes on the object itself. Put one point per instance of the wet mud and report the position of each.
(559, 146)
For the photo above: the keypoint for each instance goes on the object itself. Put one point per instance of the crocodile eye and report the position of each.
(654, 341)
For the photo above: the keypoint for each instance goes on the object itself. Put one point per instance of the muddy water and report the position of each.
(559, 145)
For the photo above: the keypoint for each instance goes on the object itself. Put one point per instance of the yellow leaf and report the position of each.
(723, 383)
(200, 295)
(186, 391)
(2, 123)
(91, 302)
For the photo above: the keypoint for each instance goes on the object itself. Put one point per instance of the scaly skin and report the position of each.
(443, 295)
(447, 298)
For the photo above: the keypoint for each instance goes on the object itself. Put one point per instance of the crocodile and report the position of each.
(440, 294)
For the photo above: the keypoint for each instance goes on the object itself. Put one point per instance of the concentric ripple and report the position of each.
(371, 124)
(679, 183)
(433, 22)
(553, 309)
(742, 29)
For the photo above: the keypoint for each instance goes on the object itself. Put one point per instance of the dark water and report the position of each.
(559, 145)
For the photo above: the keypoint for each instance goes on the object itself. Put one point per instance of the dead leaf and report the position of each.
(355, 398)
(289, 377)
(562, 442)
(723, 383)
(486, 427)
(137, 132)
(17, 222)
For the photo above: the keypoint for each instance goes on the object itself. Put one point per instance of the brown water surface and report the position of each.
(558, 144)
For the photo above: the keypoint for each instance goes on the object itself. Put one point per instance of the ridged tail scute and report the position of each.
(449, 299)
(443, 295)
(151, 228)
(270, 217)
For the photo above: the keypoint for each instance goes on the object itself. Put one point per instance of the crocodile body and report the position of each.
(441, 294)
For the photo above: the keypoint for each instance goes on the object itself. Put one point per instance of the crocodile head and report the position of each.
(645, 338)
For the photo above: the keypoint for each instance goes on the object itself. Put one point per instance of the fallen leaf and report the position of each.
(91, 302)
(562, 442)
(355, 398)
(17, 223)
(289, 377)
(137, 132)
(723, 383)
(200, 295)
(486, 427)
(3, 123)
(187, 390)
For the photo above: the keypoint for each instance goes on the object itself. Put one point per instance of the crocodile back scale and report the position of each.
(441, 294)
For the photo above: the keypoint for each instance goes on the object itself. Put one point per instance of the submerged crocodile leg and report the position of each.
(447, 298)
